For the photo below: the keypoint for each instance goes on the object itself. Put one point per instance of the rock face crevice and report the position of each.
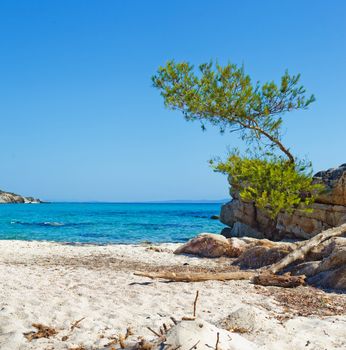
(329, 210)
(8, 197)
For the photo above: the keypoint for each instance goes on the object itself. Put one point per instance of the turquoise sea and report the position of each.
(103, 223)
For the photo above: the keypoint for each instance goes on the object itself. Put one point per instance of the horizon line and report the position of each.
(173, 201)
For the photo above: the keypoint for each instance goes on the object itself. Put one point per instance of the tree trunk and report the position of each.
(300, 252)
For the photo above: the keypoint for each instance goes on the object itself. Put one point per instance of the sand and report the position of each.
(58, 284)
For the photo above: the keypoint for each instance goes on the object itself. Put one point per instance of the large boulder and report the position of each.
(334, 279)
(325, 265)
(207, 245)
(211, 245)
(336, 259)
(329, 210)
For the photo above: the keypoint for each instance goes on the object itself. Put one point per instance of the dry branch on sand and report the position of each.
(76, 324)
(42, 332)
(198, 276)
(285, 281)
(265, 278)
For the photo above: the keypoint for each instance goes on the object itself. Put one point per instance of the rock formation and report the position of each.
(329, 210)
(8, 197)
(207, 245)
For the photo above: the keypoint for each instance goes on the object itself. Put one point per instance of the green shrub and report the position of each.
(273, 184)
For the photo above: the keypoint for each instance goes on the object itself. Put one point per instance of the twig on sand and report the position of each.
(194, 346)
(174, 320)
(217, 341)
(195, 304)
(76, 324)
(129, 332)
(188, 318)
(157, 334)
(198, 276)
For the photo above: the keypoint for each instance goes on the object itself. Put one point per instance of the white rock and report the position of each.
(203, 335)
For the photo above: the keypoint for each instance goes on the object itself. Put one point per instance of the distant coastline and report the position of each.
(13, 198)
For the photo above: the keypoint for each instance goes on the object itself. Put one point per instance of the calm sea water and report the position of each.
(107, 222)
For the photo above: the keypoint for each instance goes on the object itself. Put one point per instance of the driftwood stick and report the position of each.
(174, 320)
(300, 252)
(76, 324)
(217, 341)
(195, 304)
(285, 281)
(157, 334)
(194, 346)
(198, 276)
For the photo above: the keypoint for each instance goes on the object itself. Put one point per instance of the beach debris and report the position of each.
(217, 341)
(302, 301)
(120, 339)
(285, 281)
(174, 320)
(154, 332)
(158, 249)
(195, 304)
(76, 324)
(113, 341)
(198, 276)
(42, 332)
(265, 278)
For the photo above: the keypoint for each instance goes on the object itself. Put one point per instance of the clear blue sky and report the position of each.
(81, 121)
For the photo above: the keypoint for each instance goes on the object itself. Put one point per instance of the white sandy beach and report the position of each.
(57, 284)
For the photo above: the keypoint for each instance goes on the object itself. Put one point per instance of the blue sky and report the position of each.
(81, 121)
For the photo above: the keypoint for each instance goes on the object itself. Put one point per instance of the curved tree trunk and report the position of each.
(300, 252)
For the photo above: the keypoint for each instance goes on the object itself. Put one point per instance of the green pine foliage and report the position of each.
(224, 96)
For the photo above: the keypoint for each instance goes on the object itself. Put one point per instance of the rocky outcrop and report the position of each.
(335, 182)
(8, 197)
(329, 210)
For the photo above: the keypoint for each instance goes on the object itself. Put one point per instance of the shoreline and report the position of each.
(56, 284)
(142, 243)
